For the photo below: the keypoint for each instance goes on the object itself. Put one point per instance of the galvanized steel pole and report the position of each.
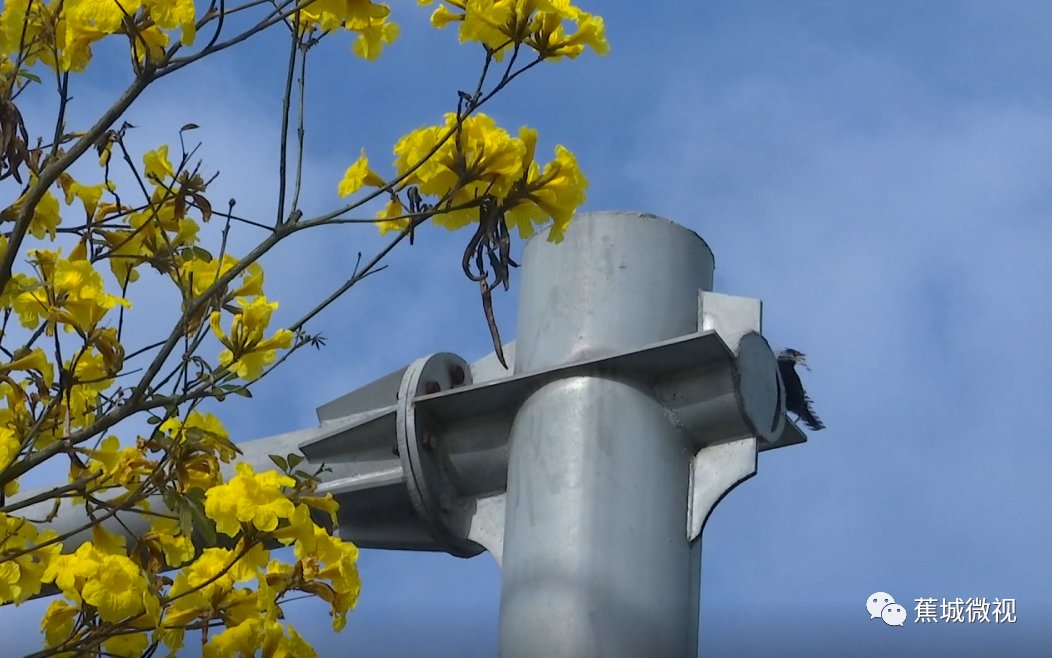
(595, 558)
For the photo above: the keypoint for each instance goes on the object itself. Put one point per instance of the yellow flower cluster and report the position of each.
(253, 503)
(159, 233)
(247, 352)
(21, 576)
(368, 19)
(480, 158)
(67, 292)
(538, 24)
(322, 558)
(103, 581)
(116, 597)
(45, 219)
(76, 25)
(99, 579)
(199, 445)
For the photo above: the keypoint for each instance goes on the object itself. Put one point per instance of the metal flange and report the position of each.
(425, 461)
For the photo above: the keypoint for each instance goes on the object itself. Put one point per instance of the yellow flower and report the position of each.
(340, 560)
(171, 13)
(355, 15)
(242, 604)
(78, 38)
(487, 160)
(178, 548)
(556, 193)
(251, 563)
(127, 252)
(124, 466)
(386, 216)
(82, 288)
(9, 447)
(107, 15)
(212, 567)
(21, 577)
(241, 640)
(413, 149)
(590, 32)
(263, 502)
(294, 646)
(45, 219)
(197, 275)
(57, 623)
(487, 21)
(247, 353)
(442, 16)
(126, 645)
(155, 40)
(251, 282)
(325, 504)
(158, 168)
(92, 376)
(35, 360)
(300, 529)
(106, 542)
(12, 20)
(372, 37)
(89, 195)
(68, 572)
(205, 430)
(252, 498)
(357, 175)
(116, 589)
(221, 505)
(535, 23)
(71, 293)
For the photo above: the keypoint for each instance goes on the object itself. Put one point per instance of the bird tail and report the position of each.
(810, 418)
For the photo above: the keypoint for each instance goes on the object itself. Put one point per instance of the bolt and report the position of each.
(456, 375)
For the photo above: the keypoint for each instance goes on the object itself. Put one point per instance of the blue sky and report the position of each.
(877, 173)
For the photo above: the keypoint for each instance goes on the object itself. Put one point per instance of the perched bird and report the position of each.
(796, 399)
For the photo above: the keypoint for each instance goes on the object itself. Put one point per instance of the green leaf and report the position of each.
(236, 389)
(202, 524)
(196, 496)
(194, 433)
(294, 460)
(196, 253)
(280, 461)
(186, 518)
(170, 499)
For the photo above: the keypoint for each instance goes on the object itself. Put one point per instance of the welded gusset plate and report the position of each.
(445, 515)
(714, 471)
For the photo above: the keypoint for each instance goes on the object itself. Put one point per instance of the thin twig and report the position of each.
(286, 102)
